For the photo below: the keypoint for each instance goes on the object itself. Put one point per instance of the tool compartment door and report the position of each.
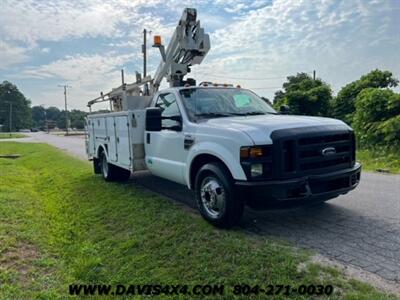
(122, 139)
(89, 138)
(112, 146)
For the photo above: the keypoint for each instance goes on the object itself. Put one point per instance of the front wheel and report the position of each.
(215, 196)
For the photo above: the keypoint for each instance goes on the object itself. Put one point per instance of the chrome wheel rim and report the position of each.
(213, 197)
(104, 165)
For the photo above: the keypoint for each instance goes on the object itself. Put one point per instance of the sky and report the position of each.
(85, 44)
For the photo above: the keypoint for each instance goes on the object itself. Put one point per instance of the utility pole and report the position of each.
(144, 50)
(66, 109)
(314, 73)
(10, 116)
(10, 103)
(45, 118)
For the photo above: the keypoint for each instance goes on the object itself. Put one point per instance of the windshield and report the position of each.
(203, 103)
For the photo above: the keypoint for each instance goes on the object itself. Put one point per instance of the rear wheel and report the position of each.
(215, 197)
(96, 166)
(111, 172)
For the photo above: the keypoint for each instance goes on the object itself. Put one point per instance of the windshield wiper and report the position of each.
(213, 115)
(252, 113)
(230, 114)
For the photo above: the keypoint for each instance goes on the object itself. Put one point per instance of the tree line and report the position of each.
(23, 116)
(368, 104)
(53, 117)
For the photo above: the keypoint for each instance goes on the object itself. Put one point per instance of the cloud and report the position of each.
(80, 69)
(29, 21)
(261, 39)
(11, 54)
(341, 40)
(87, 74)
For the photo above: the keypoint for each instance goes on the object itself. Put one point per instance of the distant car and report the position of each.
(34, 130)
(24, 130)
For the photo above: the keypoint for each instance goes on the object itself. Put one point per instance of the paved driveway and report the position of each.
(361, 228)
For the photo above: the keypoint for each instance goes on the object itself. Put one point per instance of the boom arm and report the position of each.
(188, 46)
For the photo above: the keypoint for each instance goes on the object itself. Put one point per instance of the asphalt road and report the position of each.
(361, 228)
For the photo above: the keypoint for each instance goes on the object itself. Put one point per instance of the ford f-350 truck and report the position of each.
(229, 146)
(224, 142)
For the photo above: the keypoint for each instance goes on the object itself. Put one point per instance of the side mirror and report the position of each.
(153, 119)
(285, 109)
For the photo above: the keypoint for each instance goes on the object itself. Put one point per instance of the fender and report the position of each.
(98, 150)
(218, 151)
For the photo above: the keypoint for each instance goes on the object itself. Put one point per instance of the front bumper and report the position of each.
(298, 191)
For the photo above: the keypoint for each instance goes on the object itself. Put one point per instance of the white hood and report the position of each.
(259, 128)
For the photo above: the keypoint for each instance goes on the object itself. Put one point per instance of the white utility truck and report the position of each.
(224, 142)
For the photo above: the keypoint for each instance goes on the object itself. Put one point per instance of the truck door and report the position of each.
(165, 153)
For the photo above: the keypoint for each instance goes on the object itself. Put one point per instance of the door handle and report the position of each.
(188, 142)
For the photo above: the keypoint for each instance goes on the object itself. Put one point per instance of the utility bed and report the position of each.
(122, 133)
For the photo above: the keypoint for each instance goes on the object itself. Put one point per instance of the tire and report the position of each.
(96, 166)
(122, 174)
(111, 172)
(215, 197)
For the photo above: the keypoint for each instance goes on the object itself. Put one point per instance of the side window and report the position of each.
(169, 108)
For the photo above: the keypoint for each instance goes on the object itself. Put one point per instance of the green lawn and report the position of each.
(60, 224)
(6, 135)
(379, 160)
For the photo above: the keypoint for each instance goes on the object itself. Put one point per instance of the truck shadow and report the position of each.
(332, 230)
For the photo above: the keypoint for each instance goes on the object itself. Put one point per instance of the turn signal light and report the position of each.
(256, 152)
(253, 152)
(244, 152)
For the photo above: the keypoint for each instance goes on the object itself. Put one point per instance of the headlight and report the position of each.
(256, 170)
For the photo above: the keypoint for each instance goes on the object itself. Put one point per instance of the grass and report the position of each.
(379, 160)
(6, 135)
(60, 225)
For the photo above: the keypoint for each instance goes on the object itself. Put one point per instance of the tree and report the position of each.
(53, 113)
(57, 117)
(21, 114)
(77, 118)
(343, 106)
(60, 121)
(377, 118)
(304, 96)
(38, 116)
